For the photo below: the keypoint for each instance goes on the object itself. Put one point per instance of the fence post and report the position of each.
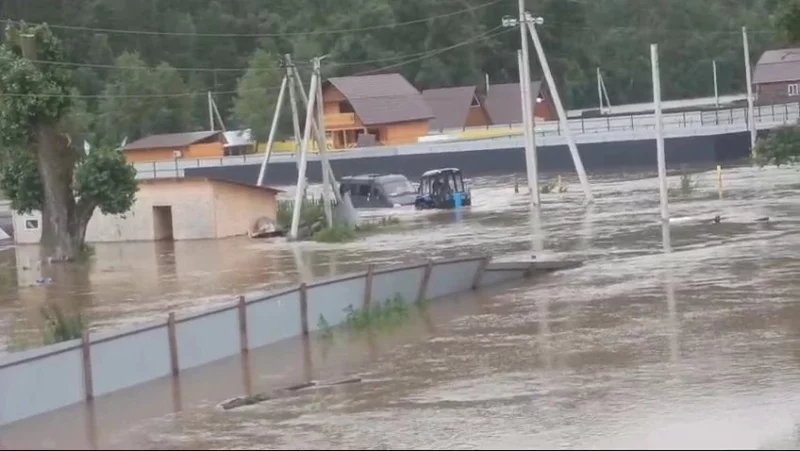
(583, 128)
(86, 351)
(426, 277)
(173, 344)
(476, 280)
(773, 112)
(786, 116)
(632, 126)
(608, 123)
(242, 307)
(684, 119)
(303, 290)
(368, 285)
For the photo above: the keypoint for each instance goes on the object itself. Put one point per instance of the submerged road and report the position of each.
(692, 349)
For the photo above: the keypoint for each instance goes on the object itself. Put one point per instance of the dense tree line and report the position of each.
(135, 60)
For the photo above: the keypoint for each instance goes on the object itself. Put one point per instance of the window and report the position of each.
(792, 90)
(31, 224)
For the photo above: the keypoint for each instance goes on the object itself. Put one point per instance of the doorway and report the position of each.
(162, 223)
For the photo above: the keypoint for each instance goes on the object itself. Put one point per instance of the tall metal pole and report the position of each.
(662, 161)
(273, 128)
(562, 115)
(292, 73)
(716, 85)
(751, 122)
(210, 112)
(301, 174)
(322, 144)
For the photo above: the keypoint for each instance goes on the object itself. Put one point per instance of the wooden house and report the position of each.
(456, 108)
(382, 109)
(776, 77)
(503, 105)
(176, 146)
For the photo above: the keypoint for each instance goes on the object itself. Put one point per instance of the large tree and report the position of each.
(44, 165)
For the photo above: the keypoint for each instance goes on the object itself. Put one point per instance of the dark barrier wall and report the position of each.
(697, 151)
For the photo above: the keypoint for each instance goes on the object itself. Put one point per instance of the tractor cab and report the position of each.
(442, 189)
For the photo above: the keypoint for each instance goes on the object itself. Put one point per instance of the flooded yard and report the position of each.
(639, 348)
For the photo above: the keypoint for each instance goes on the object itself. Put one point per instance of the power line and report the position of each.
(268, 35)
(478, 38)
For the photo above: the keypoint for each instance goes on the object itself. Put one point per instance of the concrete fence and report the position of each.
(52, 377)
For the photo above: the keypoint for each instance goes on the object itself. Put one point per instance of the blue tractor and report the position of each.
(442, 189)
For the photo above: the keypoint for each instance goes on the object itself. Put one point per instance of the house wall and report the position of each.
(769, 93)
(200, 150)
(404, 132)
(545, 110)
(238, 207)
(330, 99)
(477, 117)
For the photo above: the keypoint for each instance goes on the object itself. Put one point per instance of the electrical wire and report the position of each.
(424, 55)
(269, 35)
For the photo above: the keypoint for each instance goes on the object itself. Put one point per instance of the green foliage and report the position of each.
(781, 147)
(105, 178)
(20, 180)
(31, 93)
(391, 312)
(335, 234)
(60, 325)
(313, 211)
(140, 100)
(256, 95)
(579, 36)
(789, 21)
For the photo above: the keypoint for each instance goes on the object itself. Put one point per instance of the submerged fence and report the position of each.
(51, 377)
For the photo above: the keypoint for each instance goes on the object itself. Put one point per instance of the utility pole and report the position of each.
(291, 72)
(751, 120)
(660, 154)
(210, 112)
(322, 144)
(531, 23)
(599, 91)
(525, 79)
(273, 128)
(716, 85)
(301, 174)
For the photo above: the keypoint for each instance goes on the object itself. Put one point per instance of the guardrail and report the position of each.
(52, 377)
(602, 129)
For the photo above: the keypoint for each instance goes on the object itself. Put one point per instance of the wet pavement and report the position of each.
(697, 347)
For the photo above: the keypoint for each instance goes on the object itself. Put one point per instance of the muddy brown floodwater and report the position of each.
(696, 348)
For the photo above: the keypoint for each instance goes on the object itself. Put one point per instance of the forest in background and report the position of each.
(145, 66)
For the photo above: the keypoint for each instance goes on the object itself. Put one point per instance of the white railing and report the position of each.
(585, 130)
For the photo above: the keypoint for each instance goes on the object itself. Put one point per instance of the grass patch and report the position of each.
(381, 315)
(61, 326)
(335, 234)
(313, 210)
(686, 187)
(553, 186)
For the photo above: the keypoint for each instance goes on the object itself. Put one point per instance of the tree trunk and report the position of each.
(63, 219)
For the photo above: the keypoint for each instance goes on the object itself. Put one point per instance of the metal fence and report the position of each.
(52, 377)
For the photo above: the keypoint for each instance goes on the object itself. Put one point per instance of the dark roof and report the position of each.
(450, 106)
(383, 99)
(777, 66)
(503, 102)
(433, 172)
(171, 140)
(376, 177)
(211, 180)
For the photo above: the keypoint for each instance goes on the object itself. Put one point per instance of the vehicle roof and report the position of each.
(433, 172)
(370, 177)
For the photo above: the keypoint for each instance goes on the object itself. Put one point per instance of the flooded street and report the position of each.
(639, 348)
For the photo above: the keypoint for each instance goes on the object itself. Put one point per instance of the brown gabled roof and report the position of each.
(383, 99)
(777, 66)
(172, 140)
(450, 106)
(503, 103)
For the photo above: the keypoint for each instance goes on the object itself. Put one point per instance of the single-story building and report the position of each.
(383, 109)
(175, 146)
(503, 105)
(776, 77)
(187, 208)
(456, 108)
(239, 142)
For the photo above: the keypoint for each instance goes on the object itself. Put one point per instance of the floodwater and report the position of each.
(698, 347)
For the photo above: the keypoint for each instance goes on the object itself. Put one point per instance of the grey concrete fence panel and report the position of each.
(49, 378)
(131, 357)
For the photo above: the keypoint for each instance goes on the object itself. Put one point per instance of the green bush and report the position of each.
(61, 326)
(335, 234)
